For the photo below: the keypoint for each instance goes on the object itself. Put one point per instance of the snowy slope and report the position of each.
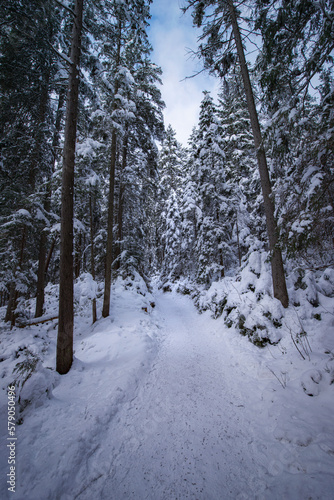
(170, 404)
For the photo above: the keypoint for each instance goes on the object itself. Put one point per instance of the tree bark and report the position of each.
(10, 305)
(48, 259)
(42, 260)
(92, 256)
(66, 314)
(41, 275)
(37, 153)
(278, 276)
(13, 295)
(238, 241)
(109, 249)
(120, 202)
(77, 255)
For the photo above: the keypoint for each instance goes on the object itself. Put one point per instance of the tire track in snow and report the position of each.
(183, 435)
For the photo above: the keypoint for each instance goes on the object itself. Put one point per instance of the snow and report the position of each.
(165, 403)
(88, 147)
(85, 288)
(23, 213)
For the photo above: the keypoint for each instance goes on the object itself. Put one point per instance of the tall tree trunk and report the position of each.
(10, 304)
(77, 255)
(37, 152)
(92, 256)
(66, 315)
(238, 241)
(13, 295)
(278, 276)
(48, 259)
(109, 249)
(42, 267)
(120, 202)
(41, 275)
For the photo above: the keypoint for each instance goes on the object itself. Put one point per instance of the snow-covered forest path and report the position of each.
(168, 404)
(184, 434)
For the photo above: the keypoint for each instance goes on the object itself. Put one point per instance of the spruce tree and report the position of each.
(213, 226)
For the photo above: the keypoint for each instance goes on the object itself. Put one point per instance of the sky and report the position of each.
(172, 35)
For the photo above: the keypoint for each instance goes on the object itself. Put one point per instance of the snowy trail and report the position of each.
(183, 435)
(170, 405)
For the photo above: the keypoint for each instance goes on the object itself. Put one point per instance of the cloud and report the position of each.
(172, 37)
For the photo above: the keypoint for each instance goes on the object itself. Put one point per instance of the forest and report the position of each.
(111, 231)
(255, 176)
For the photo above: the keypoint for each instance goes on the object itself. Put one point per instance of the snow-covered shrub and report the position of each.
(326, 282)
(37, 387)
(85, 290)
(246, 302)
(24, 369)
(303, 288)
(185, 287)
(134, 281)
(33, 382)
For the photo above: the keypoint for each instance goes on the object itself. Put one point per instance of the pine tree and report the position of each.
(65, 322)
(171, 239)
(297, 133)
(214, 230)
(242, 177)
(219, 55)
(171, 165)
(171, 160)
(28, 31)
(129, 34)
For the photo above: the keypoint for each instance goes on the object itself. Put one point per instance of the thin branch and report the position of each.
(194, 75)
(65, 7)
(250, 32)
(283, 384)
(63, 56)
(293, 340)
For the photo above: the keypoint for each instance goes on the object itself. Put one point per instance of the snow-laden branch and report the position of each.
(61, 55)
(65, 7)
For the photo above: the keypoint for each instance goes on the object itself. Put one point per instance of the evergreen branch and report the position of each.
(65, 7)
(63, 56)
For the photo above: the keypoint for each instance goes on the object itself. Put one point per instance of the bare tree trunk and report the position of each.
(10, 305)
(13, 296)
(278, 276)
(238, 241)
(120, 202)
(109, 249)
(109, 256)
(42, 267)
(77, 256)
(37, 153)
(41, 275)
(92, 256)
(48, 259)
(66, 314)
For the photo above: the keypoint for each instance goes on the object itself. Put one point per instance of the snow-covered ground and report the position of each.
(163, 403)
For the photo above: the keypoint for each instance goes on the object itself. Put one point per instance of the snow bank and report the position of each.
(60, 419)
(246, 301)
